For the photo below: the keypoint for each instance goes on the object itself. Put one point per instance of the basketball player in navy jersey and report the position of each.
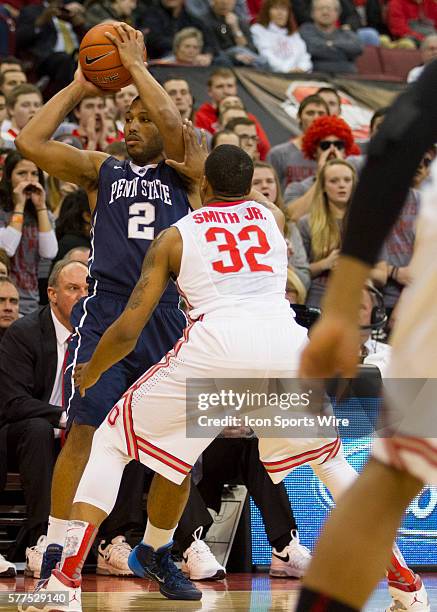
(131, 202)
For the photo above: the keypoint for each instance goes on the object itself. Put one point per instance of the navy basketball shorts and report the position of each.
(90, 318)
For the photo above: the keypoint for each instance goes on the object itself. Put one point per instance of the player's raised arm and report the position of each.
(121, 337)
(160, 107)
(58, 159)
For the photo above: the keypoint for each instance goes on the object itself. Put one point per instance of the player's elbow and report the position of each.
(171, 118)
(24, 144)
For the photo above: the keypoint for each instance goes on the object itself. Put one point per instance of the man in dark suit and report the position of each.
(50, 33)
(32, 354)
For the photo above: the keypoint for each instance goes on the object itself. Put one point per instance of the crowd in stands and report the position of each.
(310, 177)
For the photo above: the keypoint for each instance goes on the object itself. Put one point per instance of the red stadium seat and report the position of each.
(399, 62)
(369, 62)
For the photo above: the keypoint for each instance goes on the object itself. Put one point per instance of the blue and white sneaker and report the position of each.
(158, 565)
(50, 559)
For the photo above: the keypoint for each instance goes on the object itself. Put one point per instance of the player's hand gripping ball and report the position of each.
(100, 60)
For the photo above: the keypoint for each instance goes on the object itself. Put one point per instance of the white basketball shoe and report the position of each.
(292, 561)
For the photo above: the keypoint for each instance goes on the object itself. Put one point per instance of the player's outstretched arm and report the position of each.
(56, 158)
(160, 107)
(121, 337)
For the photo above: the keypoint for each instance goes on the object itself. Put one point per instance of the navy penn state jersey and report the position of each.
(134, 204)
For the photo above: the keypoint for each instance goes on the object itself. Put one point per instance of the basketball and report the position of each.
(100, 60)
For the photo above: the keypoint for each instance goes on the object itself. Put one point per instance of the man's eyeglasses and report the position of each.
(338, 144)
(246, 138)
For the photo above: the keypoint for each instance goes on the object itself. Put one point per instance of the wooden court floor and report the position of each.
(239, 592)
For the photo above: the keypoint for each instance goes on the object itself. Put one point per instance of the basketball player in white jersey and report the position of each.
(363, 526)
(230, 261)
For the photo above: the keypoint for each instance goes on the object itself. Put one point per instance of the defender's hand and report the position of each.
(195, 154)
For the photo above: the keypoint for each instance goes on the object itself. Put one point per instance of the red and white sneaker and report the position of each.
(408, 596)
(66, 595)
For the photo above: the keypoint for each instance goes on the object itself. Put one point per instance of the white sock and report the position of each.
(155, 537)
(56, 531)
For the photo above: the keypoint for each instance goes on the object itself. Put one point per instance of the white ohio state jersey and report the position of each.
(234, 256)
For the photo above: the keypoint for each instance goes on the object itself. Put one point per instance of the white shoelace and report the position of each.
(118, 553)
(40, 546)
(199, 549)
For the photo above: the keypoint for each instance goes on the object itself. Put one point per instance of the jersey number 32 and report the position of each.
(236, 250)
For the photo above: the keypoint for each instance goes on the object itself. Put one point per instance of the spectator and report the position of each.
(372, 352)
(9, 300)
(187, 49)
(277, 39)
(123, 100)
(398, 251)
(3, 109)
(5, 264)
(92, 129)
(352, 20)
(332, 99)
(321, 228)
(26, 232)
(78, 254)
(230, 102)
(179, 91)
(366, 17)
(412, 20)
(229, 114)
(110, 111)
(162, 21)
(332, 49)
(266, 181)
(295, 291)
(428, 49)
(230, 37)
(118, 150)
(224, 137)
(326, 138)
(32, 354)
(245, 129)
(57, 190)
(108, 11)
(50, 32)
(74, 223)
(22, 104)
(421, 178)
(200, 9)
(9, 79)
(287, 158)
(10, 63)
(222, 83)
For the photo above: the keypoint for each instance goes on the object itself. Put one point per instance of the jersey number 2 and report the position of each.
(230, 245)
(143, 216)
